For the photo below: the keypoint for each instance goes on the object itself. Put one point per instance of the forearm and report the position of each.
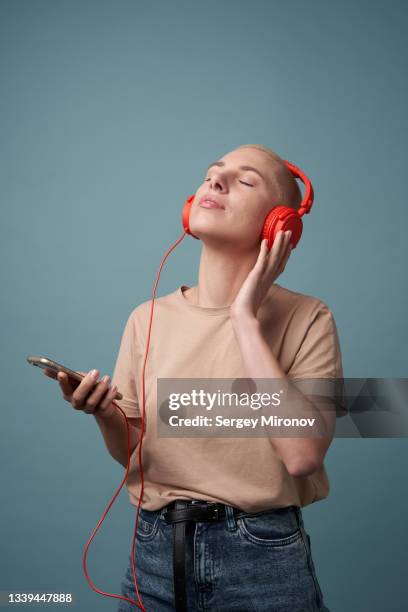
(301, 455)
(114, 432)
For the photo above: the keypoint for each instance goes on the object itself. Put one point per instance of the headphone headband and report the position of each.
(308, 197)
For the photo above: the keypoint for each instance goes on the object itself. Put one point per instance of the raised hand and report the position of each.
(268, 266)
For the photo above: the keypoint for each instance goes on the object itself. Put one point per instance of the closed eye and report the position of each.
(243, 182)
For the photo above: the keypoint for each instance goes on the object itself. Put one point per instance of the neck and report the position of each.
(220, 276)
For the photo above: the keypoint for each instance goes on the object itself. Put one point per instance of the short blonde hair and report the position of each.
(289, 193)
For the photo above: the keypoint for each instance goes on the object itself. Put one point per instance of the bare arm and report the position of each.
(114, 432)
(301, 455)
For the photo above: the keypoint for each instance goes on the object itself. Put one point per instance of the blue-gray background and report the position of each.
(110, 113)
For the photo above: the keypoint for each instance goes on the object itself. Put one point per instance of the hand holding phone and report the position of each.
(81, 389)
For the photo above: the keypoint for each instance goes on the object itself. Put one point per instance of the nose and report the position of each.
(217, 182)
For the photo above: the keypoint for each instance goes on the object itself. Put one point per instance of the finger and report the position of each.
(81, 392)
(286, 257)
(263, 248)
(277, 245)
(65, 385)
(275, 262)
(261, 259)
(263, 254)
(275, 253)
(77, 382)
(283, 247)
(107, 400)
(93, 400)
(50, 373)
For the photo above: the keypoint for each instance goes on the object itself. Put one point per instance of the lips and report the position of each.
(210, 202)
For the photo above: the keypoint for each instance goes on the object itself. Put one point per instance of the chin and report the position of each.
(215, 238)
(206, 230)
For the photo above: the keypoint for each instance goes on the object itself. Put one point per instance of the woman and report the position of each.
(244, 546)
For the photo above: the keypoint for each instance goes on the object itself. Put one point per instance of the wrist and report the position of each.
(105, 414)
(244, 321)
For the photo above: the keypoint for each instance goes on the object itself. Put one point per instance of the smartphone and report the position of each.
(44, 362)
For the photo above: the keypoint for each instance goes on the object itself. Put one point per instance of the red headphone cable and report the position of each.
(141, 606)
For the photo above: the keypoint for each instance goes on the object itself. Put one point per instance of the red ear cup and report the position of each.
(282, 218)
(185, 217)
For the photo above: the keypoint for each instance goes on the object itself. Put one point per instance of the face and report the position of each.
(234, 198)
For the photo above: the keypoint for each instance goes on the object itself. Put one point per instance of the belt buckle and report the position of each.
(215, 510)
(212, 508)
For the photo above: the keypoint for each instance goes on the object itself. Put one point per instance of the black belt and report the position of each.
(180, 512)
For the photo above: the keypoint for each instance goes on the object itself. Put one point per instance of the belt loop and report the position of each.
(230, 518)
(299, 516)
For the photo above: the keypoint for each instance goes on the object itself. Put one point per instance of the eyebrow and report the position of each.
(221, 163)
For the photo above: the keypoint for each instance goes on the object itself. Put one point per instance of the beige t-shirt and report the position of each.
(190, 341)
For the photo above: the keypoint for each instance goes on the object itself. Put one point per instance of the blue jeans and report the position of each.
(258, 563)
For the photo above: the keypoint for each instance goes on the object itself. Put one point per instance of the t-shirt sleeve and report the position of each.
(319, 356)
(126, 370)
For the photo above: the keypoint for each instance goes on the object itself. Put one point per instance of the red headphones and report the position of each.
(280, 217)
